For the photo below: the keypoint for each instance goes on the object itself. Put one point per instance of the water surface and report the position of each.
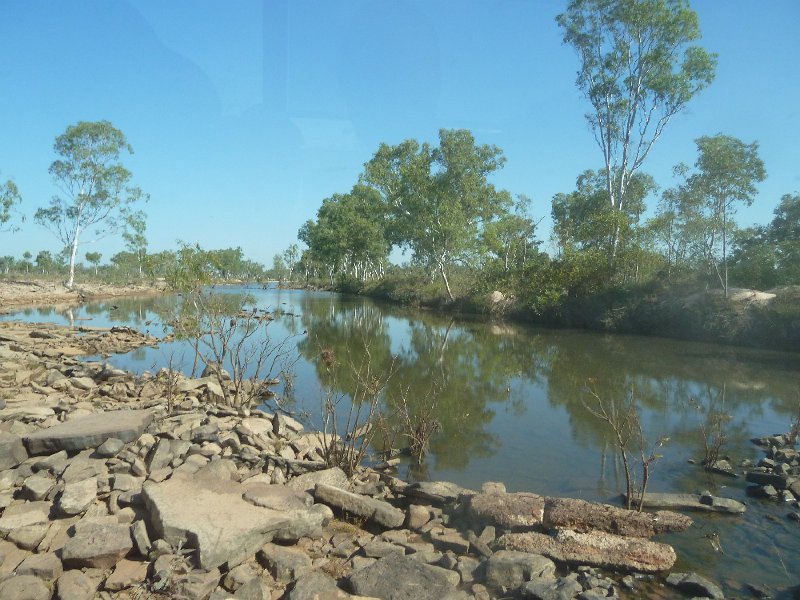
(511, 405)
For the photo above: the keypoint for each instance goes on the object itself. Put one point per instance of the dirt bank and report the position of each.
(20, 293)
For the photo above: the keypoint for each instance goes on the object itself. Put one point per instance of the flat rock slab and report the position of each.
(211, 517)
(401, 578)
(22, 515)
(98, 545)
(597, 549)
(693, 502)
(379, 512)
(89, 431)
(12, 451)
(580, 515)
(435, 492)
(506, 510)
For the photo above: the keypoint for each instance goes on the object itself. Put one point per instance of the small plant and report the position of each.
(713, 428)
(625, 424)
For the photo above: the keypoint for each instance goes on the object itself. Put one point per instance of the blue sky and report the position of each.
(244, 115)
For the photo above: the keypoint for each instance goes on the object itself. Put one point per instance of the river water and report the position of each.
(511, 405)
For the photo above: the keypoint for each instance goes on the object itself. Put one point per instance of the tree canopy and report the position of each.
(94, 185)
(9, 199)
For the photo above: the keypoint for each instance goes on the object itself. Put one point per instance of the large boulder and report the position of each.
(509, 569)
(598, 549)
(506, 510)
(97, 544)
(401, 578)
(379, 512)
(89, 431)
(580, 515)
(211, 516)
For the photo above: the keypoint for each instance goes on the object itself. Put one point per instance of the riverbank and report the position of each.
(24, 293)
(97, 466)
(749, 318)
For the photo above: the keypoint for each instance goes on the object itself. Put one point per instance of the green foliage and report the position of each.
(94, 259)
(637, 70)
(438, 199)
(9, 199)
(94, 185)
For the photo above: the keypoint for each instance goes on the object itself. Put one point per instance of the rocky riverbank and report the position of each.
(118, 486)
(14, 294)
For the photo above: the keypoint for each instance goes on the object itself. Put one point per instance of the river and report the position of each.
(511, 404)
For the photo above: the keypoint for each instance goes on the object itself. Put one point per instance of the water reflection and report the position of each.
(511, 401)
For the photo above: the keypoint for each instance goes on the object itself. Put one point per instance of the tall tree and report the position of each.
(94, 185)
(638, 70)
(439, 198)
(135, 239)
(94, 259)
(9, 197)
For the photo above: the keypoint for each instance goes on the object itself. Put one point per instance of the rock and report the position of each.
(315, 586)
(509, 569)
(693, 502)
(276, 497)
(255, 589)
(141, 539)
(599, 549)
(583, 516)
(77, 497)
(520, 509)
(24, 587)
(100, 545)
(380, 512)
(89, 431)
(695, 585)
(111, 447)
(418, 516)
(306, 482)
(12, 451)
(284, 564)
(218, 523)
(127, 573)
(75, 585)
(21, 515)
(449, 539)
(435, 492)
(550, 588)
(400, 578)
(777, 480)
(37, 486)
(45, 566)
(197, 584)
(30, 536)
(160, 455)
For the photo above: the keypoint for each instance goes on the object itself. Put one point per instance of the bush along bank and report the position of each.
(118, 486)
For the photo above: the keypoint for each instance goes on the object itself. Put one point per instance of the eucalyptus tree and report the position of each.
(94, 259)
(135, 239)
(9, 199)
(349, 234)
(94, 185)
(638, 69)
(439, 198)
(726, 173)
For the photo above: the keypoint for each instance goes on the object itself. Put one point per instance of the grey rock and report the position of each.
(777, 480)
(508, 569)
(127, 573)
(435, 492)
(45, 566)
(21, 515)
(111, 447)
(24, 587)
(550, 588)
(37, 486)
(520, 509)
(30, 536)
(75, 585)
(197, 585)
(696, 585)
(284, 564)
(141, 539)
(89, 431)
(313, 586)
(693, 502)
(307, 481)
(160, 455)
(77, 496)
(400, 578)
(100, 545)
(276, 497)
(220, 525)
(12, 450)
(255, 589)
(380, 512)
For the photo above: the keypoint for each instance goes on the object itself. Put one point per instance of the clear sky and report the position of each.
(245, 114)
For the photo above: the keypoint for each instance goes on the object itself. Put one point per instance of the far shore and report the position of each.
(21, 293)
